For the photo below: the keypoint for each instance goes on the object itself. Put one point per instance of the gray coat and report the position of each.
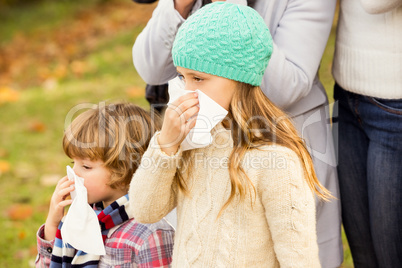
(300, 30)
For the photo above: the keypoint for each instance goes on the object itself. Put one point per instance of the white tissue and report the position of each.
(81, 227)
(209, 115)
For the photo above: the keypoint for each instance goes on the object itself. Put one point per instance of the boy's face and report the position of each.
(218, 88)
(96, 176)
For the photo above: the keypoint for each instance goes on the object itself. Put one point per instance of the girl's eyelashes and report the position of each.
(194, 78)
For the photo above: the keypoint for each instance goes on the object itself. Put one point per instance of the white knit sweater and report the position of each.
(368, 54)
(277, 230)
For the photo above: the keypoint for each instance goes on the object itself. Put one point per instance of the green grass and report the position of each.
(326, 66)
(34, 155)
(37, 154)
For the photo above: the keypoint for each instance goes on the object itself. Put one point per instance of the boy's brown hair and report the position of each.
(117, 134)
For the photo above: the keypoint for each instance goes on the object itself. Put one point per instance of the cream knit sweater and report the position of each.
(276, 230)
(368, 53)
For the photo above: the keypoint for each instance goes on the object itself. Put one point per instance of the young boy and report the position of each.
(106, 144)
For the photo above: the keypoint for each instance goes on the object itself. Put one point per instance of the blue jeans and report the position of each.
(370, 177)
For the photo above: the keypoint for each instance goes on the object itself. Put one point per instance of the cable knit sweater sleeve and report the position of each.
(290, 211)
(152, 190)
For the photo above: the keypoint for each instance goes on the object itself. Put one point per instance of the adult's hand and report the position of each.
(183, 7)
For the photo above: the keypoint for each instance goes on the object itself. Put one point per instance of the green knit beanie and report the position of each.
(224, 39)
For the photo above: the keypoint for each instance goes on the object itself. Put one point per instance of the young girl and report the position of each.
(106, 144)
(247, 199)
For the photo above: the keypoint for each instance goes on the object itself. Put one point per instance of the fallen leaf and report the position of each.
(50, 179)
(8, 95)
(3, 152)
(19, 212)
(32, 261)
(22, 235)
(21, 254)
(70, 49)
(60, 71)
(25, 170)
(37, 126)
(5, 166)
(79, 67)
(50, 84)
(134, 92)
(43, 72)
(33, 250)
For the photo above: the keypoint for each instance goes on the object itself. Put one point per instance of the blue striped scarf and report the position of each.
(67, 256)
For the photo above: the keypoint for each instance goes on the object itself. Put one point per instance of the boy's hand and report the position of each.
(57, 204)
(178, 121)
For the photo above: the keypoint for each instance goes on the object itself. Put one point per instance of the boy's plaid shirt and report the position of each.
(130, 244)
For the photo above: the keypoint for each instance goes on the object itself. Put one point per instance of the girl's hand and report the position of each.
(178, 121)
(57, 204)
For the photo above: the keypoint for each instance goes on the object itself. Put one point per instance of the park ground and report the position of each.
(55, 55)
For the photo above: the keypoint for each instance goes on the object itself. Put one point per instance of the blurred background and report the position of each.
(55, 55)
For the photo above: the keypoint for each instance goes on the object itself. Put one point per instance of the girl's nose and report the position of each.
(190, 87)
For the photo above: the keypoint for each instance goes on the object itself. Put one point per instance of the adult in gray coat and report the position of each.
(300, 29)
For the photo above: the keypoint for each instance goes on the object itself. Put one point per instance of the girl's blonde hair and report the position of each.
(251, 110)
(117, 134)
